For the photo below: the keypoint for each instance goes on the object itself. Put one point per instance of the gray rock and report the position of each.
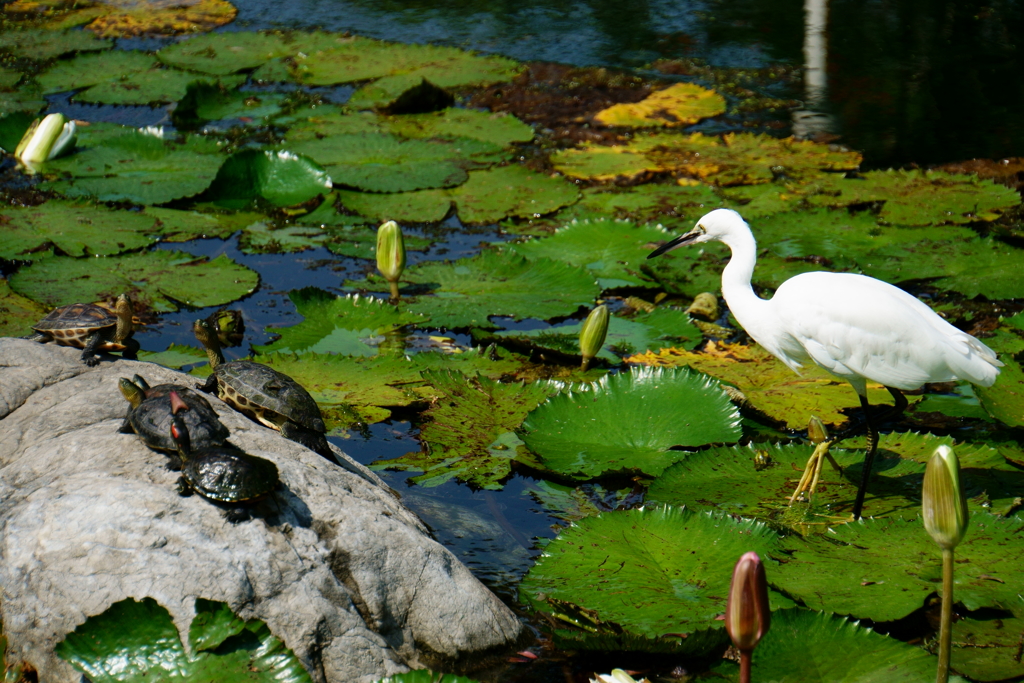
(334, 564)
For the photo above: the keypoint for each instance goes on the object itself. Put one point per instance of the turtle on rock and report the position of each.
(150, 410)
(227, 476)
(91, 328)
(270, 397)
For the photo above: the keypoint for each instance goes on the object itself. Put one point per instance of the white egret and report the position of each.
(855, 327)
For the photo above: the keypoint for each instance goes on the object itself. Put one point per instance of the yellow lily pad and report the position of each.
(769, 386)
(679, 105)
(123, 18)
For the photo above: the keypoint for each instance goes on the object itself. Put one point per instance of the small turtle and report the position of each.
(150, 410)
(91, 328)
(227, 476)
(265, 395)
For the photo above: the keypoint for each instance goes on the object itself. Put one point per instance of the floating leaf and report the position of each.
(158, 279)
(403, 93)
(224, 53)
(86, 70)
(173, 225)
(883, 569)
(602, 163)
(135, 17)
(17, 314)
(653, 572)
(175, 356)
(327, 121)
(344, 325)
(468, 291)
(44, 44)
(75, 229)
(127, 164)
(768, 385)
(678, 105)
(425, 206)
(282, 178)
(612, 250)
(204, 101)
(137, 640)
(986, 650)
(488, 196)
(462, 429)
(426, 676)
(264, 238)
(670, 205)
(497, 129)
(816, 646)
(629, 423)
(1005, 399)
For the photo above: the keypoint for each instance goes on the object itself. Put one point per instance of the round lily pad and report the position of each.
(75, 229)
(630, 422)
(86, 70)
(282, 178)
(224, 53)
(47, 44)
(497, 129)
(491, 195)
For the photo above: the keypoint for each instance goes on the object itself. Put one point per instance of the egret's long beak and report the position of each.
(680, 241)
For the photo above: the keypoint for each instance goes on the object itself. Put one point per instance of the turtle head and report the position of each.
(125, 313)
(179, 430)
(207, 336)
(131, 391)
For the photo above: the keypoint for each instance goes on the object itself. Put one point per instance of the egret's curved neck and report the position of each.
(736, 289)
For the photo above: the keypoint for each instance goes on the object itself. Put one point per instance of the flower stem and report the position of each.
(395, 296)
(946, 624)
(745, 665)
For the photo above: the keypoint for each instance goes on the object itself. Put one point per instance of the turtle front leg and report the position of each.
(184, 488)
(210, 387)
(89, 356)
(131, 349)
(237, 514)
(314, 441)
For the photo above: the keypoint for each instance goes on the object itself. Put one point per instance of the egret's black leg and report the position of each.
(869, 458)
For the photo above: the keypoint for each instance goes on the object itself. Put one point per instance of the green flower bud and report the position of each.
(816, 430)
(39, 139)
(593, 333)
(747, 614)
(943, 504)
(391, 254)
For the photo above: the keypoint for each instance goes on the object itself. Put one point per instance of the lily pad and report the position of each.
(769, 386)
(223, 647)
(612, 250)
(1005, 399)
(681, 104)
(468, 291)
(402, 93)
(204, 101)
(224, 53)
(668, 204)
(86, 70)
(425, 206)
(883, 569)
(75, 229)
(803, 645)
(137, 166)
(630, 423)
(327, 121)
(175, 356)
(653, 572)
(17, 314)
(174, 225)
(461, 434)
(44, 44)
(281, 178)
(158, 279)
(123, 19)
(360, 241)
(603, 163)
(349, 325)
(426, 676)
(491, 195)
(497, 129)
(986, 650)
(263, 237)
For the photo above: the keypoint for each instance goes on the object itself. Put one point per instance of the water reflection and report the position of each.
(811, 121)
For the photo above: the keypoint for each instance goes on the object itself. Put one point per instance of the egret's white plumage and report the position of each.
(856, 327)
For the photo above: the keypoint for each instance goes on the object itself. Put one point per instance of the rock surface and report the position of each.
(334, 564)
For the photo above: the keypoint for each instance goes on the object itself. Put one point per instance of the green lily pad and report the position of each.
(9, 78)
(681, 104)
(573, 503)
(137, 641)
(1005, 399)
(986, 650)
(923, 197)
(224, 53)
(468, 291)
(174, 225)
(883, 569)
(153, 86)
(204, 101)
(360, 241)
(75, 229)
(87, 70)
(461, 436)
(158, 279)
(497, 129)
(602, 163)
(137, 166)
(17, 314)
(815, 646)
(612, 250)
(13, 126)
(281, 178)
(364, 59)
(493, 194)
(670, 205)
(654, 572)
(345, 325)
(264, 238)
(175, 356)
(44, 44)
(769, 386)
(425, 206)
(26, 99)
(399, 92)
(630, 423)
(327, 121)
(426, 676)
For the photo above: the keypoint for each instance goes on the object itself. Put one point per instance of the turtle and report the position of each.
(149, 416)
(227, 476)
(91, 328)
(265, 395)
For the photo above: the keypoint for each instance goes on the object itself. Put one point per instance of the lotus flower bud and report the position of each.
(816, 430)
(616, 676)
(593, 334)
(943, 504)
(45, 139)
(747, 614)
(391, 254)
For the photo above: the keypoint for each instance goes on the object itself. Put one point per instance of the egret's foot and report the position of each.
(812, 472)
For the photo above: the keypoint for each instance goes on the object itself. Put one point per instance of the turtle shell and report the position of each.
(72, 325)
(229, 475)
(152, 419)
(268, 395)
